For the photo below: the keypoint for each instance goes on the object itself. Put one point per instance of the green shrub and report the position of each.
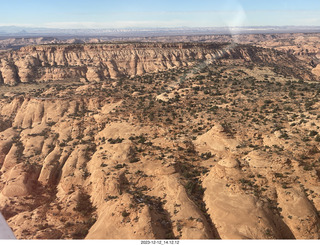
(84, 205)
(313, 133)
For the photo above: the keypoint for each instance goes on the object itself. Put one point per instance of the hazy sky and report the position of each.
(158, 13)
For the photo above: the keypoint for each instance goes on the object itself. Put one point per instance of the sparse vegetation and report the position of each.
(84, 205)
(161, 141)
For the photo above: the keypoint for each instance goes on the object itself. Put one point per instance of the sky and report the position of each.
(162, 13)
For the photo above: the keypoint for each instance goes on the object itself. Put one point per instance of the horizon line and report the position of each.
(160, 27)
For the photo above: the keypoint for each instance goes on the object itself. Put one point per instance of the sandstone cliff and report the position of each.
(232, 152)
(219, 158)
(98, 62)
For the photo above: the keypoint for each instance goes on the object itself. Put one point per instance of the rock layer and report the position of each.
(98, 62)
(225, 154)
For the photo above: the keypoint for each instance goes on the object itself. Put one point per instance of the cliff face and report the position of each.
(232, 153)
(98, 62)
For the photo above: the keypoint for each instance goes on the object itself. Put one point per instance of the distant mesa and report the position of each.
(22, 32)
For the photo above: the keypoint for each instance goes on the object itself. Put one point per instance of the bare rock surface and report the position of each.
(159, 141)
(99, 62)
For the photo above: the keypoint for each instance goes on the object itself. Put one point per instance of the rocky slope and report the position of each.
(209, 150)
(304, 46)
(98, 62)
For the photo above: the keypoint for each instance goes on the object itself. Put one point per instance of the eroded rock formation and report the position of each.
(98, 62)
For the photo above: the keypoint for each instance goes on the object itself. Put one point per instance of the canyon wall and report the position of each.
(98, 62)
